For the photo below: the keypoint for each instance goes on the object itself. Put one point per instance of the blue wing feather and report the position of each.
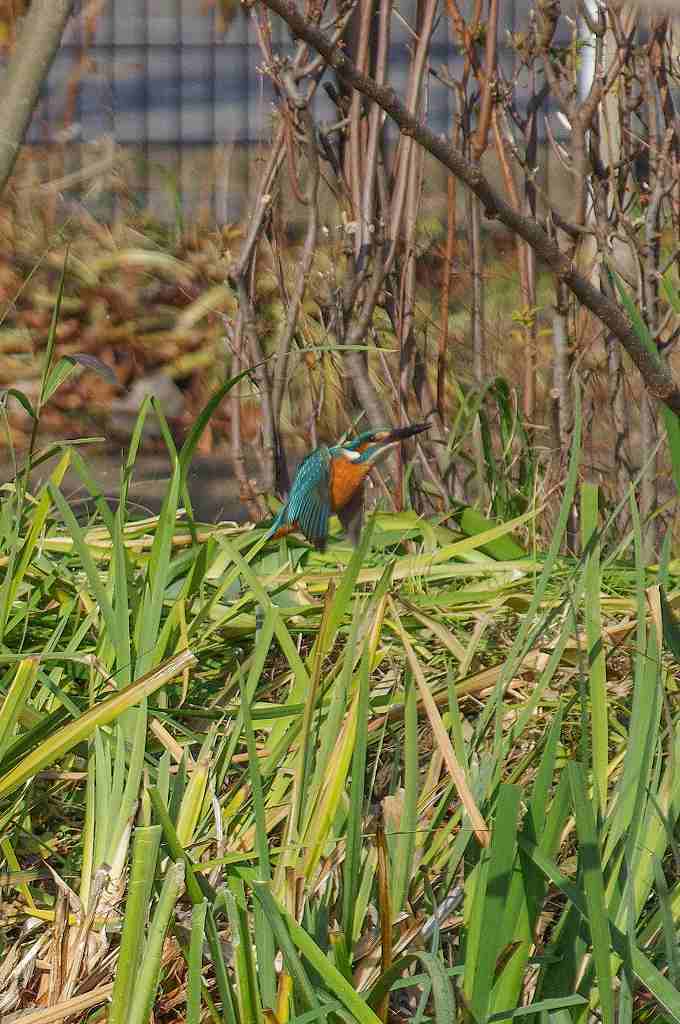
(308, 503)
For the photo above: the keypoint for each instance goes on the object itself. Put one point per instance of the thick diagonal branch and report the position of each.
(656, 375)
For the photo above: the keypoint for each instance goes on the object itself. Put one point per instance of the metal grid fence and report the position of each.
(180, 94)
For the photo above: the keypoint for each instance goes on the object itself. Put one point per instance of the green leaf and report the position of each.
(442, 991)
(21, 398)
(590, 861)
(597, 670)
(60, 372)
(200, 423)
(351, 867)
(659, 987)
(52, 338)
(489, 930)
(144, 855)
(195, 962)
(279, 923)
(542, 1006)
(250, 1008)
(16, 700)
(148, 977)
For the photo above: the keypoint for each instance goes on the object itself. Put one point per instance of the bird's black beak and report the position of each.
(401, 433)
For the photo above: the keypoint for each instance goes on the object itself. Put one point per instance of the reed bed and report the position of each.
(433, 778)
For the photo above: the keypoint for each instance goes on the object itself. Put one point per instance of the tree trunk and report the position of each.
(28, 68)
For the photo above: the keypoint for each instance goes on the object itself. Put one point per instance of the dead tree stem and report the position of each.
(407, 298)
(245, 328)
(284, 341)
(526, 278)
(449, 257)
(480, 140)
(477, 309)
(479, 143)
(403, 159)
(370, 400)
(374, 125)
(355, 125)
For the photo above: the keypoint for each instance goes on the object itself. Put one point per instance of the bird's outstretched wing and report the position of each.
(309, 503)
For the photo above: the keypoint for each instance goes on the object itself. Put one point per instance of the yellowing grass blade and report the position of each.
(15, 701)
(336, 776)
(442, 739)
(194, 795)
(102, 713)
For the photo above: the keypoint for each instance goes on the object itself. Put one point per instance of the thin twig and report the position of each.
(283, 342)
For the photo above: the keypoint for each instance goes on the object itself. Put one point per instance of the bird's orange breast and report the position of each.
(346, 478)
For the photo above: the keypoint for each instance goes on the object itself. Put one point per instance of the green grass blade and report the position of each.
(142, 873)
(100, 714)
(590, 861)
(669, 926)
(149, 616)
(334, 981)
(148, 976)
(195, 962)
(200, 423)
(524, 638)
(21, 555)
(331, 793)
(51, 340)
(547, 1006)
(646, 972)
(194, 795)
(351, 872)
(264, 939)
(248, 995)
(198, 888)
(123, 808)
(597, 671)
(119, 642)
(442, 990)
(304, 990)
(402, 846)
(490, 931)
(16, 699)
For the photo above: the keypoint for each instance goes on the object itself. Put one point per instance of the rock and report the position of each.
(124, 411)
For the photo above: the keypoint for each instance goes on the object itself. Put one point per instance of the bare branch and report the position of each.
(655, 373)
(480, 141)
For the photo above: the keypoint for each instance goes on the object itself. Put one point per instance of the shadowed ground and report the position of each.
(214, 491)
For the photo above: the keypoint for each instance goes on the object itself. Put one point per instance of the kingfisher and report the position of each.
(330, 480)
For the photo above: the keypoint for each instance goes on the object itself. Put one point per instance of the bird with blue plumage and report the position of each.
(330, 481)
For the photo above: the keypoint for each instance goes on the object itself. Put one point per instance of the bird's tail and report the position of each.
(280, 526)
